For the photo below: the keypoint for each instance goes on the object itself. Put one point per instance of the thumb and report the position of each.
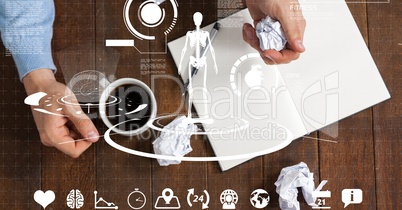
(83, 124)
(294, 31)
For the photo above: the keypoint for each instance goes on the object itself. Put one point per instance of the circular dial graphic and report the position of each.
(136, 199)
(88, 85)
(151, 14)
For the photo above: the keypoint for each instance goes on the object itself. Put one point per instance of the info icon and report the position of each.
(259, 198)
(352, 196)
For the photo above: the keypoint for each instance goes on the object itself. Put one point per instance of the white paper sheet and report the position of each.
(335, 78)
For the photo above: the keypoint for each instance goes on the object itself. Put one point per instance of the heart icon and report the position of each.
(44, 199)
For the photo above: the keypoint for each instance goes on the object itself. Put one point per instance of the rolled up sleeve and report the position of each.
(26, 28)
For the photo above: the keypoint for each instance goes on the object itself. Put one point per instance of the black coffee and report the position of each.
(131, 98)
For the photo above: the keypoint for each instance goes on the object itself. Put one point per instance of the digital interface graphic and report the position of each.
(151, 14)
(136, 199)
(173, 104)
(75, 199)
(88, 85)
(252, 74)
(101, 203)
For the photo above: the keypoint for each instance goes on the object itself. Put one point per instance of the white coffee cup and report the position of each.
(114, 86)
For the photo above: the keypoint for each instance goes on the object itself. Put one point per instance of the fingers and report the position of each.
(294, 24)
(74, 134)
(250, 37)
(65, 127)
(269, 56)
(73, 150)
(289, 14)
(63, 138)
(294, 35)
(83, 124)
(268, 59)
(275, 57)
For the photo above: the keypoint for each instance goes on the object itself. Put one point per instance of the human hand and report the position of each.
(69, 124)
(289, 14)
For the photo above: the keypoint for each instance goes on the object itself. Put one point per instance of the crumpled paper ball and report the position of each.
(175, 141)
(290, 179)
(270, 34)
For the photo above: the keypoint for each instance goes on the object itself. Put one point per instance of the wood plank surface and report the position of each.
(20, 171)
(365, 157)
(385, 42)
(248, 176)
(187, 175)
(117, 173)
(301, 150)
(73, 49)
(349, 164)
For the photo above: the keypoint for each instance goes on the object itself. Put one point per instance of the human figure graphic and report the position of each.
(198, 39)
(36, 70)
(229, 204)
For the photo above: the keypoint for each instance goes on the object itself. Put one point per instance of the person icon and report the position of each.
(198, 39)
(228, 204)
(229, 199)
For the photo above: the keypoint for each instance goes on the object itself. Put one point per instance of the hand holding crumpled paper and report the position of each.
(289, 180)
(175, 141)
(291, 20)
(270, 34)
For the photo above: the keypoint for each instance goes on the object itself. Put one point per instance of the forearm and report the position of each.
(26, 30)
(38, 80)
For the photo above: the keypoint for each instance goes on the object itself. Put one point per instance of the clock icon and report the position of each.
(136, 199)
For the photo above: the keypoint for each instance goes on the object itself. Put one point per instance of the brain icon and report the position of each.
(75, 199)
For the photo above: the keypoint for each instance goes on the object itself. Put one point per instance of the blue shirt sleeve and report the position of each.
(26, 28)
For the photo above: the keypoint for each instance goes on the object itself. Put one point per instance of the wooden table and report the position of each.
(367, 155)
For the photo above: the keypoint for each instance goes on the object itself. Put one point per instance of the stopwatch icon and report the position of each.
(136, 199)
